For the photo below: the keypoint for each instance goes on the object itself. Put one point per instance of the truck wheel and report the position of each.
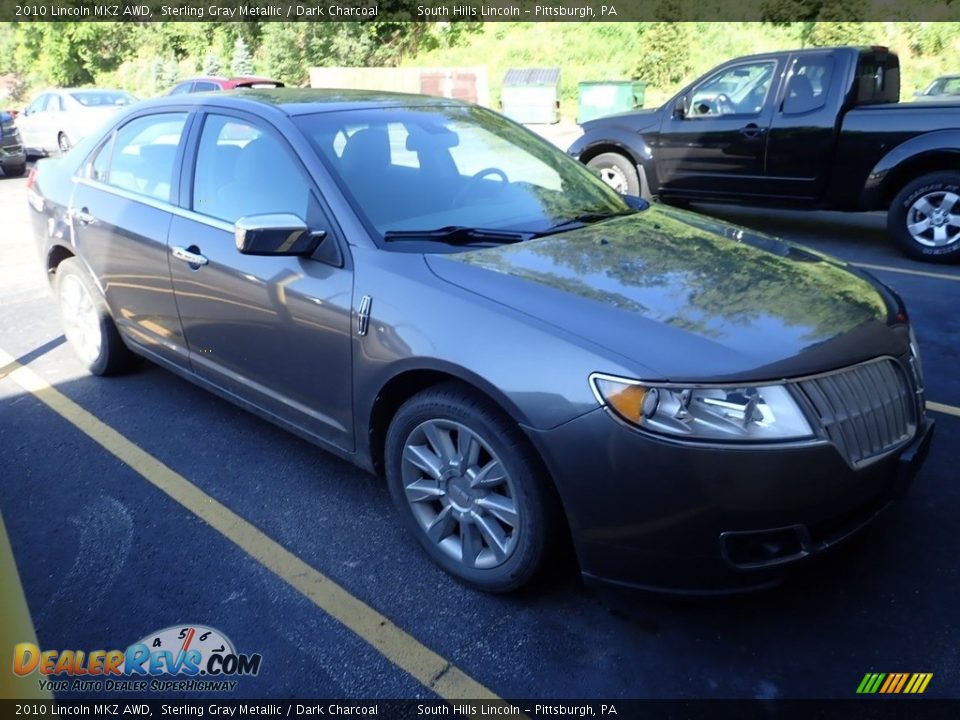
(617, 171)
(924, 218)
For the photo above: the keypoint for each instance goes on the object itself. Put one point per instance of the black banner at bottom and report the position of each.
(854, 709)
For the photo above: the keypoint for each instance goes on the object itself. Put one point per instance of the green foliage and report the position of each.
(665, 56)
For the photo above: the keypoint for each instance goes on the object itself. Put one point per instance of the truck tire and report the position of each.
(617, 171)
(924, 217)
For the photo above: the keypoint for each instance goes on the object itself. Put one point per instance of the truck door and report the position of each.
(803, 136)
(716, 145)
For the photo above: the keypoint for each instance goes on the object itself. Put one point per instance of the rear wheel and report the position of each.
(924, 218)
(469, 488)
(617, 171)
(87, 324)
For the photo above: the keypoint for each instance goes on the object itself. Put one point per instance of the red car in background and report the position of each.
(213, 83)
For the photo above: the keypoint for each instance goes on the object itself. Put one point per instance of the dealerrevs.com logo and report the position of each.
(181, 658)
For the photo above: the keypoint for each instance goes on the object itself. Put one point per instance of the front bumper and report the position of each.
(655, 514)
(12, 155)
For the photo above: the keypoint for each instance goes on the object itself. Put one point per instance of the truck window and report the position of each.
(878, 79)
(808, 84)
(738, 90)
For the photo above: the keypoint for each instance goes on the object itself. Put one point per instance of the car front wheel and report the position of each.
(469, 488)
(87, 324)
(924, 218)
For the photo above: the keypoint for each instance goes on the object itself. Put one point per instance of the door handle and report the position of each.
(83, 216)
(752, 130)
(189, 255)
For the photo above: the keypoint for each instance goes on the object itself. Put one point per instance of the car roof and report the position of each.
(305, 101)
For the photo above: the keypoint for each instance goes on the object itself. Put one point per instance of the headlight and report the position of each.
(746, 414)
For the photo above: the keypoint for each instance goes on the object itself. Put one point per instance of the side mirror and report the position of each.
(275, 234)
(680, 108)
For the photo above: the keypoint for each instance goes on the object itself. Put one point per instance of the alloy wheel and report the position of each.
(614, 177)
(81, 322)
(933, 219)
(460, 493)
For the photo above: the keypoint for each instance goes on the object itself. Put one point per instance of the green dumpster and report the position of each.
(597, 99)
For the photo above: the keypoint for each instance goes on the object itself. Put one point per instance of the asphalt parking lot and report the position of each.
(141, 502)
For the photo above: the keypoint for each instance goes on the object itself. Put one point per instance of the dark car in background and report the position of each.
(13, 158)
(806, 129)
(213, 83)
(432, 292)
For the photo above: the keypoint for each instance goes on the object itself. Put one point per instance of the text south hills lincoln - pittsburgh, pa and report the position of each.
(506, 10)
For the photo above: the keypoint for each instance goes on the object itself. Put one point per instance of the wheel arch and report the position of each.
(56, 255)
(406, 382)
(931, 152)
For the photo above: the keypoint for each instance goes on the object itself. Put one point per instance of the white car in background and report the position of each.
(56, 119)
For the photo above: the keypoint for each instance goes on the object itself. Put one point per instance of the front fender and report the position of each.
(894, 164)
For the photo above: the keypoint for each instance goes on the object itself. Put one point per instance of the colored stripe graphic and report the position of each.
(894, 683)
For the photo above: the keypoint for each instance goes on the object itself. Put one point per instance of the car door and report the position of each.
(31, 122)
(802, 140)
(273, 330)
(715, 142)
(120, 214)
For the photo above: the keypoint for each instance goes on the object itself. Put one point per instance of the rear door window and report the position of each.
(808, 84)
(143, 155)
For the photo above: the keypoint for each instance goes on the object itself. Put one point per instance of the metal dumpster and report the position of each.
(597, 99)
(531, 95)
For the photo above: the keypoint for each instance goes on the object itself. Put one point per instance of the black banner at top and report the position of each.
(472, 11)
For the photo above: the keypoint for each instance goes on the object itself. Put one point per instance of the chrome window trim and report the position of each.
(157, 204)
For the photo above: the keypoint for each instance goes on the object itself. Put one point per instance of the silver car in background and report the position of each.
(56, 119)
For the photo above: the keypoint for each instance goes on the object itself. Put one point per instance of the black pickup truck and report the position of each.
(818, 129)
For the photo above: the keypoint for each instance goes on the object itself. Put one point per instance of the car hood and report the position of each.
(689, 298)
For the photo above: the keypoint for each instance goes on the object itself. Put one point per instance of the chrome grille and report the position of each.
(866, 410)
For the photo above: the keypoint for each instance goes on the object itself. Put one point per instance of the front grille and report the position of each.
(866, 410)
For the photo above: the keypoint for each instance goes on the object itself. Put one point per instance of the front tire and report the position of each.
(924, 218)
(87, 324)
(469, 488)
(617, 171)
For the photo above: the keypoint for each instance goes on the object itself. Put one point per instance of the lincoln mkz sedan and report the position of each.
(429, 290)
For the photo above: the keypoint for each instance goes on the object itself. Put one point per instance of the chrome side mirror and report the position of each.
(275, 234)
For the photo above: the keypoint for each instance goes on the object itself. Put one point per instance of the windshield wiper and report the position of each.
(458, 235)
(582, 219)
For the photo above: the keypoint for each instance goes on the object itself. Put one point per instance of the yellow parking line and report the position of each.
(17, 625)
(398, 646)
(941, 408)
(905, 271)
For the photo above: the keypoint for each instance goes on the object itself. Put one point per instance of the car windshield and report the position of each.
(449, 168)
(102, 98)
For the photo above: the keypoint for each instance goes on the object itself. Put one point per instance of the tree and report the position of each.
(211, 63)
(242, 63)
(664, 55)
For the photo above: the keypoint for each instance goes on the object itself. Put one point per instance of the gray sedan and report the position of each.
(427, 289)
